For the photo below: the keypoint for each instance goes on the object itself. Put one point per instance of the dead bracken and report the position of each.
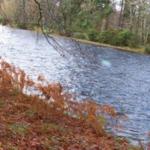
(52, 120)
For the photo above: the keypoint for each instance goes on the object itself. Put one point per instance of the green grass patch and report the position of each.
(2, 103)
(46, 127)
(19, 129)
(30, 113)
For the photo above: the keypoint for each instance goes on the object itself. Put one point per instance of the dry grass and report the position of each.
(53, 120)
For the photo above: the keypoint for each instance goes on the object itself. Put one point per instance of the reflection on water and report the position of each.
(106, 63)
(107, 75)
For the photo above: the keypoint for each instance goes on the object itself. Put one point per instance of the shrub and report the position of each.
(3, 21)
(118, 37)
(148, 39)
(93, 35)
(147, 49)
(106, 37)
(22, 25)
(123, 37)
(126, 38)
(134, 41)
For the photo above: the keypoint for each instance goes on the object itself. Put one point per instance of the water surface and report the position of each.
(105, 74)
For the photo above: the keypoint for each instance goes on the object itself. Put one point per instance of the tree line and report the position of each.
(123, 23)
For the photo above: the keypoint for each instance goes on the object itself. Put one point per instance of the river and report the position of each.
(110, 76)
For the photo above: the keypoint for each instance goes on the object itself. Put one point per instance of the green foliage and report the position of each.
(107, 37)
(147, 48)
(19, 128)
(47, 127)
(80, 35)
(30, 113)
(22, 25)
(134, 41)
(2, 20)
(105, 7)
(148, 38)
(93, 35)
(2, 103)
(123, 37)
(114, 37)
(118, 37)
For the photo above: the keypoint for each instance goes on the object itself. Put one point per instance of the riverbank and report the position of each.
(140, 50)
(28, 123)
(51, 120)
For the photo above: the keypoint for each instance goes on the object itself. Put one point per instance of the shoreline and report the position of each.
(121, 48)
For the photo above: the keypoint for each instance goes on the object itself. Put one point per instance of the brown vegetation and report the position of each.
(51, 120)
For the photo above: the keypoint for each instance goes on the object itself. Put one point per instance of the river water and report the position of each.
(119, 78)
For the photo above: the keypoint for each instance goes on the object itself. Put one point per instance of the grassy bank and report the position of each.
(52, 120)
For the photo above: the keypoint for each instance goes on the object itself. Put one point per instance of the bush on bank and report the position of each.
(113, 37)
(147, 49)
(3, 20)
(118, 37)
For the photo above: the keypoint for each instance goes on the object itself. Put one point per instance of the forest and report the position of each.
(115, 22)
